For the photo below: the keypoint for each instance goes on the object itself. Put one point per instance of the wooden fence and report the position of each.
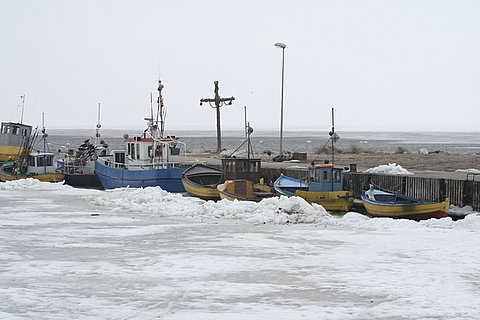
(461, 192)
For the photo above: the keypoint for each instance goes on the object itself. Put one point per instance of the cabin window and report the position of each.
(120, 157)
(327, 176)
(311, 176)
(132, 150)
(16, 130)
(337, 176)
(44, 161)
(24, 132)
(149, 151)
(31, 161)
(138, 150)
(6, 128)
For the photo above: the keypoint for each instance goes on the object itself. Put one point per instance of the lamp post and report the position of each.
(281, 46)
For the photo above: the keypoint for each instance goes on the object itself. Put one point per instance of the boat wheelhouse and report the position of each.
(13, 137)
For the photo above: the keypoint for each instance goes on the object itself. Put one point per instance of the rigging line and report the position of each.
(321, 149)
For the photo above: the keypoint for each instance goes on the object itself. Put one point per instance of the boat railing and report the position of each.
(108, 161)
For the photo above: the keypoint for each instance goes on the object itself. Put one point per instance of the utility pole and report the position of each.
(218, 102)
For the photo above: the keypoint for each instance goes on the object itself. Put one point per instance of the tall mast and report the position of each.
(333, 134)
(23, 106)
(44, 136)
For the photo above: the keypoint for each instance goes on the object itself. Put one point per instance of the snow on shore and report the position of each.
(391, 168)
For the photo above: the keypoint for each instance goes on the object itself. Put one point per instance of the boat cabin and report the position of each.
(40, 163)
(12, 134)
(12, 137)
(248, 169)
(141, 148)
(325, 177)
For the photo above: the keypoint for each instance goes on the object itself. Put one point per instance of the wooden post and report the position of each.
(218, 102)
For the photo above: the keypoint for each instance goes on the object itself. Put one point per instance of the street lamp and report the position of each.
(281, 46)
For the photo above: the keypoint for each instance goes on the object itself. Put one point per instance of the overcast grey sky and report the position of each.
(383, 65)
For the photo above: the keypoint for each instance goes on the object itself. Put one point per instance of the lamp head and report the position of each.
(280, 45)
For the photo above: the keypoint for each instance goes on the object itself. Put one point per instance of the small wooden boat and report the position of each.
(201, 181)
(324, 187)
(390, 205)
(243, 190)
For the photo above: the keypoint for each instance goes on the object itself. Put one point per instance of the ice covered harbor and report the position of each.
(71, 253)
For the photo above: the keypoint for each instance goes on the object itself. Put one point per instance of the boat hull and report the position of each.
(201, 181)
(82, 180)
(421, 211)
(169, 179)
(379, 203)
(49, 177)
(287, 186)
(9, 152)
(330, 200)
(242, 190)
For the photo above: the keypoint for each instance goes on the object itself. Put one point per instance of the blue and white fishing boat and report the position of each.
(148, 159)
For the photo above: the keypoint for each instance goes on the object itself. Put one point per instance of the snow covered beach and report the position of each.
(147, 254)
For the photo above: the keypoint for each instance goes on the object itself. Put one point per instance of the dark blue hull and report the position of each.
(169, 179)
(82, 180)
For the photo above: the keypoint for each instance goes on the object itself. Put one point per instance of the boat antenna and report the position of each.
(44, 137)
(333, 135)
(246, 127)
(97, 131)
(151, 107)
(22, 106)
(161, 110)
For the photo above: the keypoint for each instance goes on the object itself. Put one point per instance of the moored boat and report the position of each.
(78, 165)
(39, 166)
(201, 181)
(392, 205)
(31, 163)
(147, 160)
(13, 137)
(324, 187)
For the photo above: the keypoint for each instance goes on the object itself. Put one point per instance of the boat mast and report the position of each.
(97, 131)
(44, 137)
(161, 110)
(22, 106)
(332, 133)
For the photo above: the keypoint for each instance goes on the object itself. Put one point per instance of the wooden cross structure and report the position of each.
(218, 102)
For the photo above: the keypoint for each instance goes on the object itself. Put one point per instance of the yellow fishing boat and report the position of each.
(38, 166)
(390, 205)
(201, 181)
(324, 187)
